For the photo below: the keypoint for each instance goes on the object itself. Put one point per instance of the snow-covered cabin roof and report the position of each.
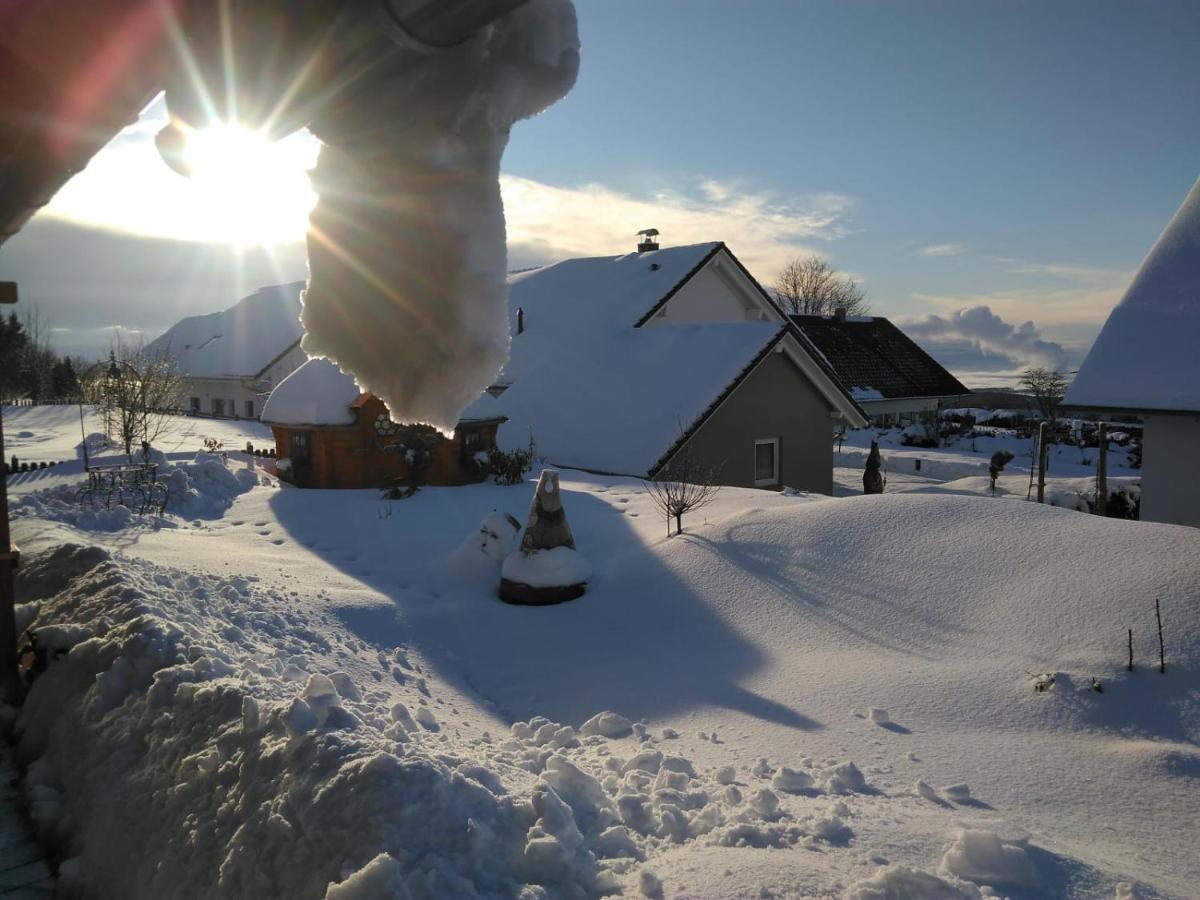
(239, 342)
(317, 393)
(596, 390)
(1147, 357)
(875, 360)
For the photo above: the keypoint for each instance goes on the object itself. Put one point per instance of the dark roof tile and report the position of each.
(869, 352)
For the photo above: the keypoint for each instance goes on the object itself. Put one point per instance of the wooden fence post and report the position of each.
(10, 683)
(10, 676)
(1042, 456)
(1102, 471)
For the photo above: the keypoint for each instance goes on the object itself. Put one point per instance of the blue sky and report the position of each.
(1036, 147)
(1016, 156)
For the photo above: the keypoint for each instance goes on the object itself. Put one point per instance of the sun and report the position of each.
(247, 189)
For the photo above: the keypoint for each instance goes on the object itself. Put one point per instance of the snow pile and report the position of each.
(179, 745)
(479, 558)
(317, 393)
(168, 757)
(222, 741)
(903, 883)
(202, 488)
(983, 857)
(556, 567)
(407, 291)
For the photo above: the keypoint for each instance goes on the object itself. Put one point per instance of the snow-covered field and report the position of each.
(273, 692)
(52, 433)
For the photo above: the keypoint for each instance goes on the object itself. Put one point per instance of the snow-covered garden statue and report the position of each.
(546, 568)
(873, 476)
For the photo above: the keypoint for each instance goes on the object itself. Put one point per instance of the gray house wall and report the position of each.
(1170, 492)
(775, 401)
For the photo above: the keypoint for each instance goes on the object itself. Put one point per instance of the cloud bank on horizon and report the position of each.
(977, 340)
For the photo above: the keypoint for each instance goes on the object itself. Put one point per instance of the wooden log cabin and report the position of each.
(328, 434)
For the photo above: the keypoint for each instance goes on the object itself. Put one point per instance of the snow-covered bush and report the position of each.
(201, 488)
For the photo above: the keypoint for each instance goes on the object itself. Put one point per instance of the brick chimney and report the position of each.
(648, 240)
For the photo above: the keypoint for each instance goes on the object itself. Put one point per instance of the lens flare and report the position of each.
(251, 190)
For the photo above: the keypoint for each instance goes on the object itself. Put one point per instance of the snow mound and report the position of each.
(258, 767)
(608, 724)
(547, 568)
(984, 858)
(178, 738)
(381, 877)
(202, 488)
(903, 883)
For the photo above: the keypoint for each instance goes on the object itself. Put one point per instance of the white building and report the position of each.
(230, 361)
(1146, 362)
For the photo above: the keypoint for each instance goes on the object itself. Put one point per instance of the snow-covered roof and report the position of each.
(317, 393)
(238, 342)
(1147, 356)
(599, 393)
(605, 288)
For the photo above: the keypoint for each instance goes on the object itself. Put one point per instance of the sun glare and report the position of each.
(247, 188)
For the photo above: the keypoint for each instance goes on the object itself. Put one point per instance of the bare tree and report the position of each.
(1048, 387)
(682, 487)
(809, 286)
(136, 392)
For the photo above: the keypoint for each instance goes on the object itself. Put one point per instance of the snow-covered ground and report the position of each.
(962, 466)
(271, 691)
(52, 433)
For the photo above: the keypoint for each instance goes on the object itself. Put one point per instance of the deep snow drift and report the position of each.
(406, 245)
(317, 693)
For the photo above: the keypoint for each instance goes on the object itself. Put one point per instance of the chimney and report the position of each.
(839, 313)
(648, 240)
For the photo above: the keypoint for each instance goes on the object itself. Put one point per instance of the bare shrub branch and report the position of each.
(689, 487)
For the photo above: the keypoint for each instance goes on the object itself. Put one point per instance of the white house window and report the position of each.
(766, 462)
(218, 406)
(195, 401)
(249, 409)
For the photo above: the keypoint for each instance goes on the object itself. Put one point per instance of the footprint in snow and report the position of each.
(277, 541)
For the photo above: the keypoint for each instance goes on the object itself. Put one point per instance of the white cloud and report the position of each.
(943, 250)
(977, 339)
(1069, 295)
(547, 222)
(126, 188)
